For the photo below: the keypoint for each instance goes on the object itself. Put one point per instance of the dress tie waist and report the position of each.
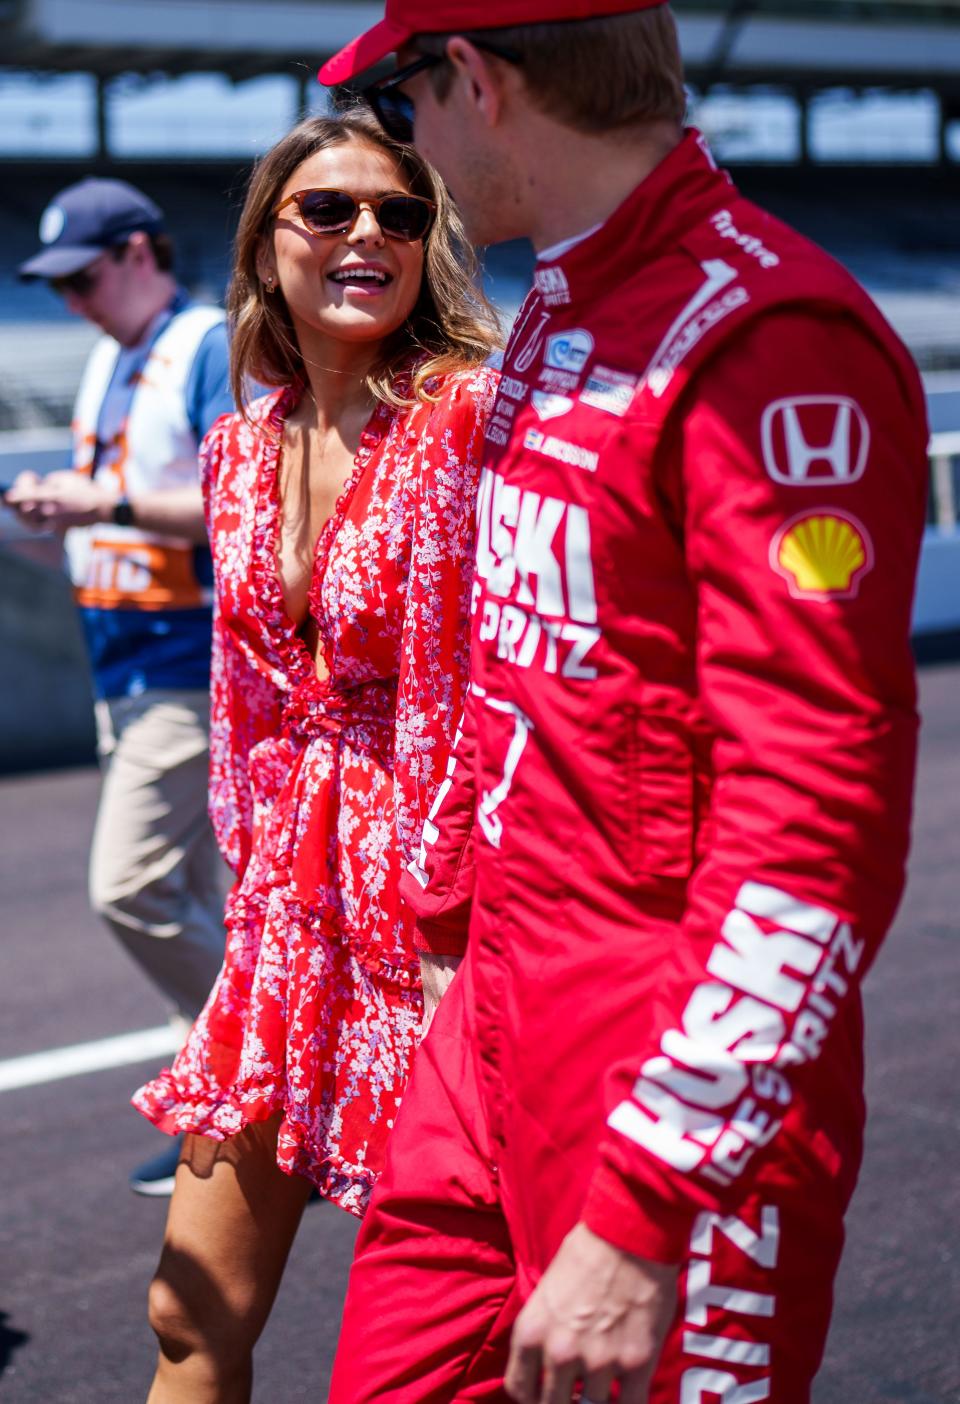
(366, 714)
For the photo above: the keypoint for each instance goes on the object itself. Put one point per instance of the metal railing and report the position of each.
(944, 448)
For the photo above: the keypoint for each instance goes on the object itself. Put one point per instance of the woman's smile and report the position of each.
(365, 278)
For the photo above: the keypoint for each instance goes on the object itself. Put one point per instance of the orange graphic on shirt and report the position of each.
(139, 575)
(113, 455)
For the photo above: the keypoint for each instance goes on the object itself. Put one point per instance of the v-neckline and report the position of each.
(299, 660)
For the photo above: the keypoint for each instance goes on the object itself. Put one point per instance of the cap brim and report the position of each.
(59, 263)
(364, 52)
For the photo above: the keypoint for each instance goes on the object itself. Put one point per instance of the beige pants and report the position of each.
(156, 876)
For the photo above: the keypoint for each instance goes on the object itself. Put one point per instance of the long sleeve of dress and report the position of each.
(245, 705)
(436, 634)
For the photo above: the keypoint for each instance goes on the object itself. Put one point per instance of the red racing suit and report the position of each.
(674, 830)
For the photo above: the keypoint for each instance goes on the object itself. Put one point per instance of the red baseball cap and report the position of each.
(405, 18)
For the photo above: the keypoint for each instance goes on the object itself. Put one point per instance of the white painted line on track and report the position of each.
(117, 1052)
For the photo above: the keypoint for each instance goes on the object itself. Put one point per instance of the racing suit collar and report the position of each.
(680, 191)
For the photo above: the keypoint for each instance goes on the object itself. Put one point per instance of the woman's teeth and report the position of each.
(360, 275)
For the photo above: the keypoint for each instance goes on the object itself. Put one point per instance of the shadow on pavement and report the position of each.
(937, 648)
(10, 1340)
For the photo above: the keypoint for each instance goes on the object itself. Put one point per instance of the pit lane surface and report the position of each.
(77, 1248)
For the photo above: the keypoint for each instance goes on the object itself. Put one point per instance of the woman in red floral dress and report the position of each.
(340, 511)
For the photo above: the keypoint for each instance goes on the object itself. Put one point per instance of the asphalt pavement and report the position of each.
(77, 1248)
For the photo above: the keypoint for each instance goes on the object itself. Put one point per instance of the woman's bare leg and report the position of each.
(232, 1220)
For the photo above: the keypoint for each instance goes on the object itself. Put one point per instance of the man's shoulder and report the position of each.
(104, 351)
(195, 330)
(201, 314)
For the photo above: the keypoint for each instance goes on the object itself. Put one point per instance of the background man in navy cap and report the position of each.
(132, 513)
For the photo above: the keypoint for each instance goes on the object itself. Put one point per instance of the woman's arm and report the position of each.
(434, 660)
(245, 706)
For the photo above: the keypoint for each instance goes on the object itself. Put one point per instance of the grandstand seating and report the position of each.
(40, 365)
(898, 230)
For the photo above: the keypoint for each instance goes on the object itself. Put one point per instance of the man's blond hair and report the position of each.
(594, 75)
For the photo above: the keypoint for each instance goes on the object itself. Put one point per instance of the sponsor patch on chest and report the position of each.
(609, 390)
(550, 406)
(561, 450)
(568, 350)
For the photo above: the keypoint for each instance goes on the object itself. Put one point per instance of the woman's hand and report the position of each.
(437, 972)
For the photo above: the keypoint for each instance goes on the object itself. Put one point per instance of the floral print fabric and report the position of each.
(319, 789)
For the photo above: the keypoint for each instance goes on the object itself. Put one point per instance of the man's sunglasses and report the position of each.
(327, 213)
(83, 283)
(394, 110)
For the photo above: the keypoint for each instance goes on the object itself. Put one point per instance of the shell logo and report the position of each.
(822, 555)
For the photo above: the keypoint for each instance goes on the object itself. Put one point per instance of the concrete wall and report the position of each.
(46, 707)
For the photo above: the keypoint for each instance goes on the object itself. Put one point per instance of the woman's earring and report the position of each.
(269, 284)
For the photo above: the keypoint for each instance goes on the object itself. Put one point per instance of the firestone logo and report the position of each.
(723, 223)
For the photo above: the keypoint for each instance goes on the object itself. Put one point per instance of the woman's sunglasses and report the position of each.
(326, 213)
(394, 110)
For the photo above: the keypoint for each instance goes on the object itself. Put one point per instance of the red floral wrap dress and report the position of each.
(319, 789)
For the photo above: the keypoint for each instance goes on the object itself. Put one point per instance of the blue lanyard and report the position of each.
(180, 300)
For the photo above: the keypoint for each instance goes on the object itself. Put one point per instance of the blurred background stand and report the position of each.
(841, 116)
(46, 711)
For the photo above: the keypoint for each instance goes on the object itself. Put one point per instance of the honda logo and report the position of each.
(812, 440)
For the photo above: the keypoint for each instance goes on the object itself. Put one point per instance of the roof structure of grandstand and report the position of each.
(808, 42)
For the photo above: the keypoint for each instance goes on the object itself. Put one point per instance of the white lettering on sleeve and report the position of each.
(755, 961)
(729, 1348)
(718, 1387)
(714, 1092)
(762, 1248)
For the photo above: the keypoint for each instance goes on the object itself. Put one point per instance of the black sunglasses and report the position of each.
(327, 213)
(81, 284)
(394, 110)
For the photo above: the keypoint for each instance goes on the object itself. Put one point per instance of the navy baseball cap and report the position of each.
(85, 219)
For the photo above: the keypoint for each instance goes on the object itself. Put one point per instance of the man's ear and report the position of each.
(140, 247)
(484, 80)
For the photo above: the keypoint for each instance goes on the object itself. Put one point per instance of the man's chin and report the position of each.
(484, 222)
(482, 232)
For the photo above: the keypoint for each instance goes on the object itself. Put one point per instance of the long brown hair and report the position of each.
(452, 323)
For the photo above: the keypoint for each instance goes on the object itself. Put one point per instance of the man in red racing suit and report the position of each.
(674, 830)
